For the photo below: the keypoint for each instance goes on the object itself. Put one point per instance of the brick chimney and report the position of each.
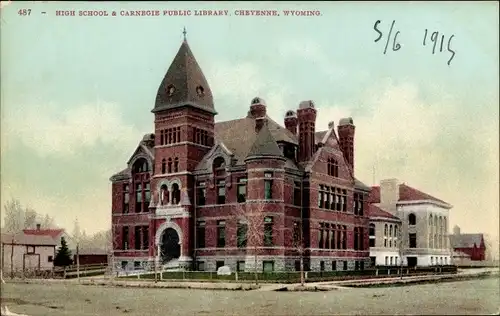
(291, 122)
(38, 226)
(306, 115)
(258, 113)
(389, 195)
(346, 131)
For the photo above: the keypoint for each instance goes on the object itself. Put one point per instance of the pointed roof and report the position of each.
(184, 84)
(264, 146)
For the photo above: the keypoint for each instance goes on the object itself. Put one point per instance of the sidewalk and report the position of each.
(324, 285)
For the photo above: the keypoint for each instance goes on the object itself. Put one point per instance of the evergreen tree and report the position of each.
(63, 256)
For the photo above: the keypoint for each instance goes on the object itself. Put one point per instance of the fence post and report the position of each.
(376, 272)
(236, 276)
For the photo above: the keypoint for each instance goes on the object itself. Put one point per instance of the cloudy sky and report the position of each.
(76, 93)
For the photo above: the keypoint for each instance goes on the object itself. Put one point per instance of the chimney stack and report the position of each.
(38, 226)
(258, 113)
(306, 115)
(291, 122)
(346, 131)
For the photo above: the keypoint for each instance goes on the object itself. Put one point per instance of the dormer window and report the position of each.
(200, 91)
(170, 90)
(219, 166)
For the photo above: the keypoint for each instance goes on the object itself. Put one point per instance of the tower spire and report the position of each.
(184, 33)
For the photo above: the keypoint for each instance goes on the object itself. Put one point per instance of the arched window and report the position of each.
(412, 219)
(176, 164)
(140, 165)
(169, 165)
(176, 194)
(371, 229)
(164, 195)
(385, 235)
(371, 233)
(163, 166)
(219, 166)
(390, 236)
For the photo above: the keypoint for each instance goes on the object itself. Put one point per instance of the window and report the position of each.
(412, 219)
(385, 235)
(201, 266)
(219, 264)
(321, 197)
(296, 194)
(137, 265)
(345, 265)
(221, 191)
(339, 237)
(344, 200)
(334, 265)
(219, 166)
(413, 240)
(126, 198)
(358, 204)
(356, 265)
(176, 194)
(241, 233)
(344, 237)
(125, 238)
(322, 266)
(124, 265)
(333, 167)
(371, 232)
(240, 266)
(138, 198)
(30, 249)
(200, 234)
(162, 137)
(297, 265)
(147, 196)
(339, 202)
(140, 166)
(242, 190)
(169, 165)
(164, 194)
(268, 231)
(268, 266)
(221, 234)
(356, 238)
(163, 166)
(320, 236)
(390, 235)
(176, 164)
(390, 261)
(268, 185)
(137, 237)
(50, 259)
(361, 265)
(386, 260)
(201, 193)
(145, 237)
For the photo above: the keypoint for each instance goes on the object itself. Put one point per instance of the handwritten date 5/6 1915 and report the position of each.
(434, 39)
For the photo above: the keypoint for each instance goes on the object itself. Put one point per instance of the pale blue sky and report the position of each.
(77, 92)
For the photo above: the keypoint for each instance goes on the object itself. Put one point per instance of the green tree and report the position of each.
(63, 256)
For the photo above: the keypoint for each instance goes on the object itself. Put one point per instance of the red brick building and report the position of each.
(179, 199)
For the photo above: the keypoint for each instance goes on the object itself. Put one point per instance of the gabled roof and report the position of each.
(466, 240)
(53, 233)
(27, 239)
(406, 193)
(376, 212)
(184, 84)
(264, 146)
